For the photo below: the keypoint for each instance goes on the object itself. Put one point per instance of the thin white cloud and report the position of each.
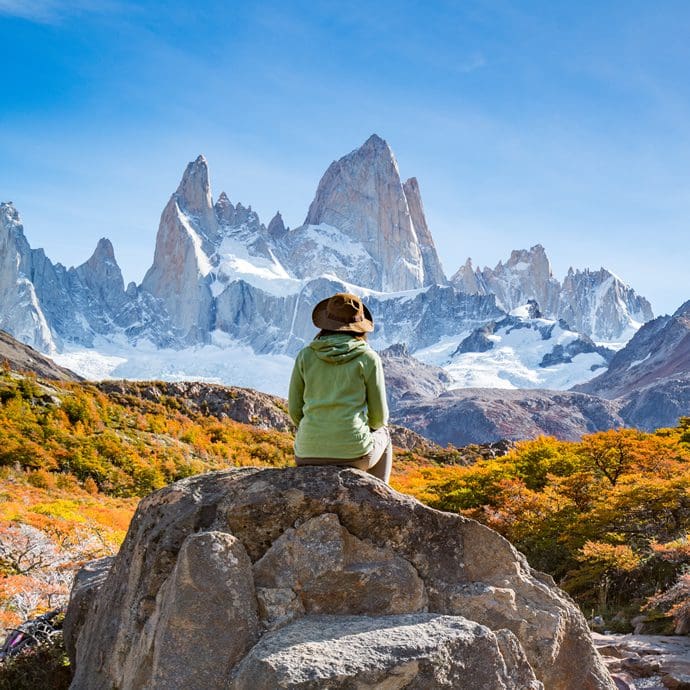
(52, 11)
(471, 64)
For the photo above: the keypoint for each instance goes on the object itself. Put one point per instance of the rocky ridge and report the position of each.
(46, 305)
(484, 415)
(223, 402)
(646, 386)
(650, 376)
(218, 269)
(311, 565)
(595, 303)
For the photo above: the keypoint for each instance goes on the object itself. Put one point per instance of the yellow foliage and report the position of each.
(602, 515)
(611, 557)
(122, 449)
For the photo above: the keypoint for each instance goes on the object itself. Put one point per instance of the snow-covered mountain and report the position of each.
(596, 303)
(224, 288)
(521, 350)
(218, 269)
(365, 226)
(21, 312)
(50, 307)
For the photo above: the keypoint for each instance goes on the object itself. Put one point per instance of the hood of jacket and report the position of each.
(338, 348)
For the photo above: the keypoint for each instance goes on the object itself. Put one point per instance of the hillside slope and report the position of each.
(19, 357)
(650, 376)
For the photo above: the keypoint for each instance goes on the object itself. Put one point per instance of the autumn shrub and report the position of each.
(600, 515)
(42, 667)
(42, 479)
(90, 486)
(28, 387)
(674, 603)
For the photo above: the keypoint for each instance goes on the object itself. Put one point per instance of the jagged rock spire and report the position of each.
(467, 279)
(194, 198)
(194, 191)
(102, 275)
(225, 210)
(187, 234)
(276, 228)
(433, 271)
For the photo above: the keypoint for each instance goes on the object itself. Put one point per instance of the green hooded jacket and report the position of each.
(337, 397)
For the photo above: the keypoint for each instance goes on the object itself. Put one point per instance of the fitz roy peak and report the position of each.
(221, 277)
(361, 200)
(364, 227)
(216, 267)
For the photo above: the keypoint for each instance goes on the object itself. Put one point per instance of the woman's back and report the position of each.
(337, 392)
(337, 396)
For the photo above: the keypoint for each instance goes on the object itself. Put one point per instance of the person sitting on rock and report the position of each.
(337, 392)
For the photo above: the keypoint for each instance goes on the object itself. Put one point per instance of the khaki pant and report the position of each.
(378, 461)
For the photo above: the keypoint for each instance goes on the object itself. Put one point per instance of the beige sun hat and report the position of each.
(343, 312)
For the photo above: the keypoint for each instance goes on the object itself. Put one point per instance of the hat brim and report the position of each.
(320, 319)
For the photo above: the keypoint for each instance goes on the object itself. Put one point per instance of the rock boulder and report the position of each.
(289, 572)
(413, 651)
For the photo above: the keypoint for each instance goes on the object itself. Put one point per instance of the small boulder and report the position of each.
(413, 651)
(624, 681)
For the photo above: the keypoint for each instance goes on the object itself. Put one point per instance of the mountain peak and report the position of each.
(362, 196)
(104, 250)
(412, 184)
(101, 273)
(535, 254)
(194, 192)
(683, 310)
(8, 211)
(193, 198)
(375, 149)
(224, 209)
(276, 228)
(376, 142)
(466, 279)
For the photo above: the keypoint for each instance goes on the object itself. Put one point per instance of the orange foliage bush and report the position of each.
(600, 515)
(70, 474)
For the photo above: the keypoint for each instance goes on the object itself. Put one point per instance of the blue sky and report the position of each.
(560, 123)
